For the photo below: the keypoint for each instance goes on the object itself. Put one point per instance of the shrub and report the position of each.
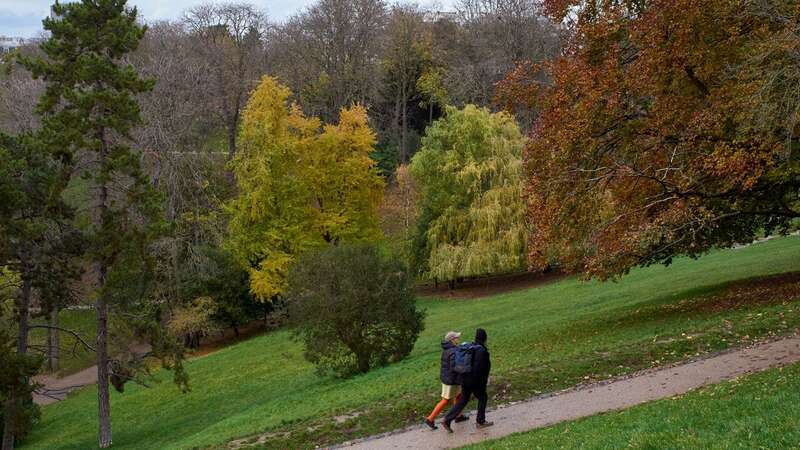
(353, 308)
(223, 280)
(193, 321)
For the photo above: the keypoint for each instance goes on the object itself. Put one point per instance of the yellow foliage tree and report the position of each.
(300, 185)
(472, 210)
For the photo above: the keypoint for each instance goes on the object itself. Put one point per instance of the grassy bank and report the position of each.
(758, 411)
(541, 339)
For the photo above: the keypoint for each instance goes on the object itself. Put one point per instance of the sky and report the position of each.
(23, 18)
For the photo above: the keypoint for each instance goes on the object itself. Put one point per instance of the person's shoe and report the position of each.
(483, 425)
(462, 418)
(446, 426)
(430, 423)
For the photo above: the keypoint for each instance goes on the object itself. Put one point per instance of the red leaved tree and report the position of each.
(666, 127)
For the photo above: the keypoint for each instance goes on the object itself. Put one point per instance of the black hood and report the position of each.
(447, 345)
(480, 336)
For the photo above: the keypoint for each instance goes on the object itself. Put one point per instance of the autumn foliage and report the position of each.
(472, 215)
(301, 185)
(667, 127)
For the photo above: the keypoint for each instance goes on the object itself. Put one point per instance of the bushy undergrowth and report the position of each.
(353, 309)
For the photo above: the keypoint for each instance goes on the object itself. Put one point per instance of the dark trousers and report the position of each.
(466, 393)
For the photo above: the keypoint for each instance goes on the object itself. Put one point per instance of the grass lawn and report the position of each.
(758, 411)
(542, 339)
(83, 323)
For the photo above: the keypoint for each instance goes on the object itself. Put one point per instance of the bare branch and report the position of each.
(65, 330)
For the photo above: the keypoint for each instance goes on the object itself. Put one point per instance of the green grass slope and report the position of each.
(541, 339)
(759, 411)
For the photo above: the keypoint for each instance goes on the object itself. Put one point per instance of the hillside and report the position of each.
(541, 339)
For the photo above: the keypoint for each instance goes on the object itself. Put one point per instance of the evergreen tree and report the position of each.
(38, 246)
(89, 108)
(16, 369)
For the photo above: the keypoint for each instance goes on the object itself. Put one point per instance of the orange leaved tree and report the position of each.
(666, 127)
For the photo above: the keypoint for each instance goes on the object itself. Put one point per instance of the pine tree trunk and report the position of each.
(101, 307)
(8, 425)
(103, 399)
(22, 348)
(53, 342)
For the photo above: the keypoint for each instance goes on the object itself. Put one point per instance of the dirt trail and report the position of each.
(589, 400)
(55, 389)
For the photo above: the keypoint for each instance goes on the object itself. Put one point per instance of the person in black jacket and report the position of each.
(474, 384)
(451, 391)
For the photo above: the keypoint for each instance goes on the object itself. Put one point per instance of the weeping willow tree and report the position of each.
(472, 211)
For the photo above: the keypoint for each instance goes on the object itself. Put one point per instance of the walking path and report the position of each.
(589, 400)
(54, 389)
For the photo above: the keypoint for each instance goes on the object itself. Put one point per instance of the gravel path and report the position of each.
(589, 400)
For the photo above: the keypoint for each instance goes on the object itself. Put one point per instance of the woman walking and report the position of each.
(474, 384)
(451, 391)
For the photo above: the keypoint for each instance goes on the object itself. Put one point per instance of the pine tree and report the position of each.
(89, 108)
(38, 246)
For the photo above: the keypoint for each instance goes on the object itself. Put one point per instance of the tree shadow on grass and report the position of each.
(696, 303)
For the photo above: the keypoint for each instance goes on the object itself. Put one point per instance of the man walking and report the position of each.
(451, 391)
(474, 384)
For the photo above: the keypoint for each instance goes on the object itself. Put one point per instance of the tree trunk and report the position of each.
(22, 348)
(231, 152)
(231, 140)
(8, 423)
(363, 363)
(404, 149)
(53, 342)
(175, 273)
(451, 284)
(100, 267)
(103, 398)
(396, 122)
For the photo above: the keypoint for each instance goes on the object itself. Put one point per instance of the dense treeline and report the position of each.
(169, 175)
(403, 63)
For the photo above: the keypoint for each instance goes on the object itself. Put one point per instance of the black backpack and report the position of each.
(463, 358)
